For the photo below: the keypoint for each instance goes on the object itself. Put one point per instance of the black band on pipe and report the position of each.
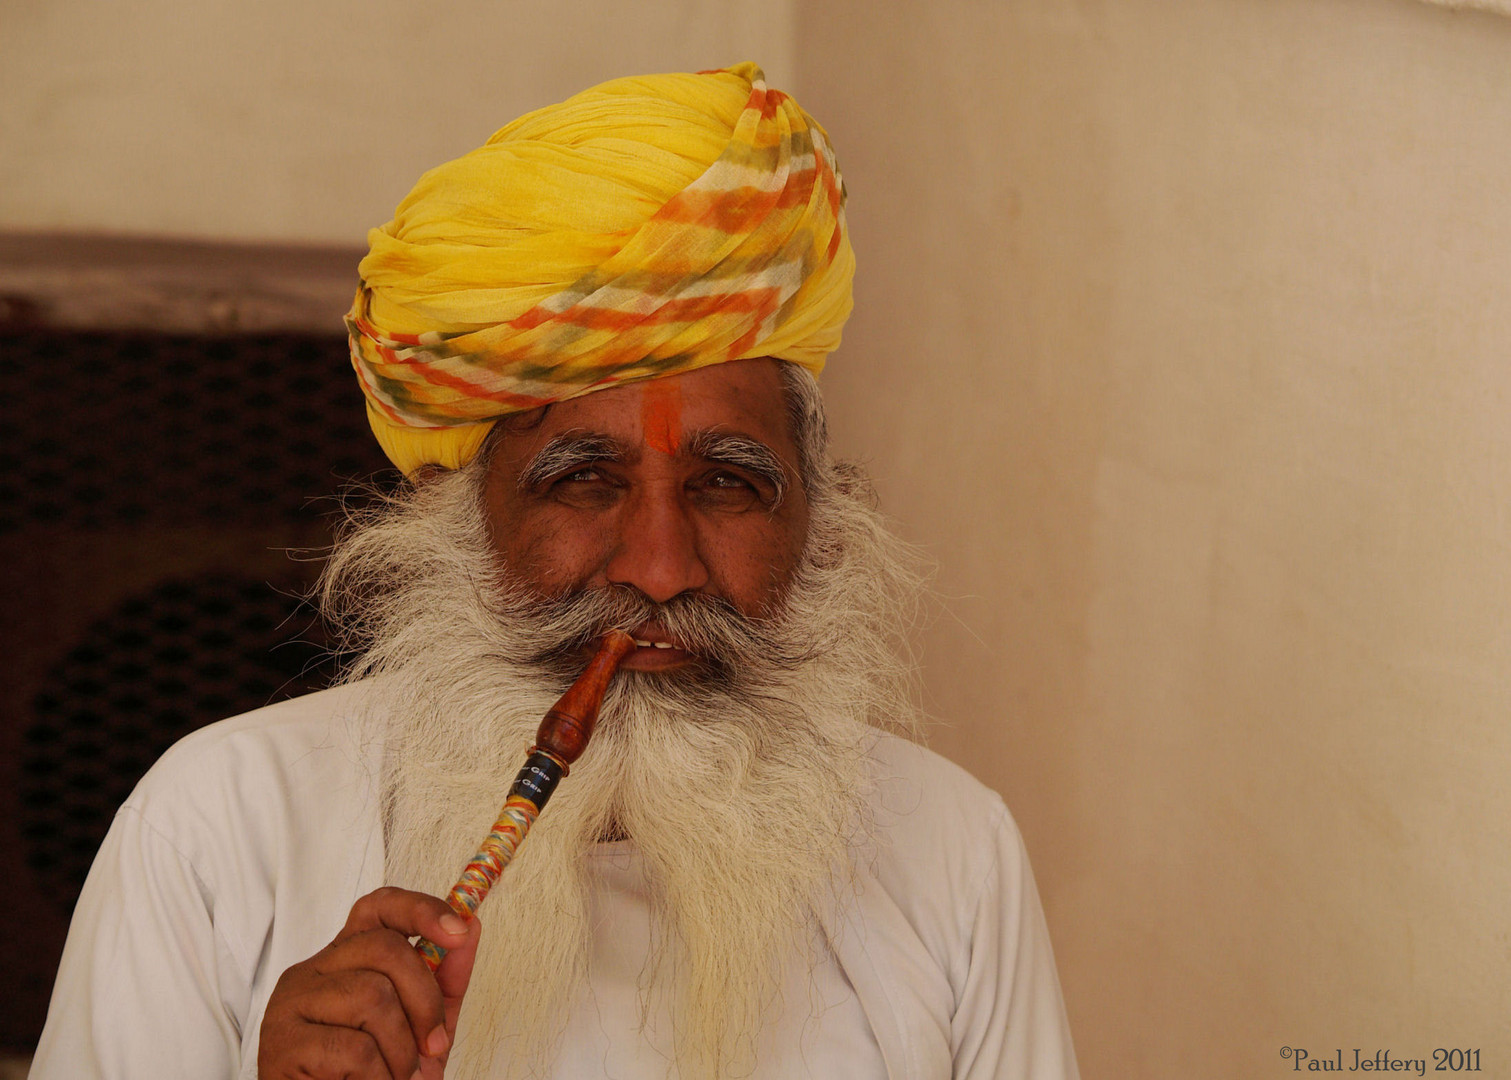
(538, 779)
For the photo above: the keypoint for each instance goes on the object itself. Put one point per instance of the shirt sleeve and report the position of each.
(1010, 1023)
(146, 986)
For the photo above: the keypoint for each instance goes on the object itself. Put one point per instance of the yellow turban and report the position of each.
(646, 227)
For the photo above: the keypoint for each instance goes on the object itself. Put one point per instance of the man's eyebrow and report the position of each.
(565, 452)
(742, 452)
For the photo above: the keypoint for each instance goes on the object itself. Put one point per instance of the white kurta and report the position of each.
(241, 852)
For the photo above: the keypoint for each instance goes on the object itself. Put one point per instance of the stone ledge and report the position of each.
(92, 282)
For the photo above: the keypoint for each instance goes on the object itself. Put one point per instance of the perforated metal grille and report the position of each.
(130, 429)
(201, 459)
(158, 667)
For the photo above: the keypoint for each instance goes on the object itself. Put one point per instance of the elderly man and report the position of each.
(592, 346)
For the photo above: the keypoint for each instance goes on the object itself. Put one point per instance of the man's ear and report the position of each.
(426, 473)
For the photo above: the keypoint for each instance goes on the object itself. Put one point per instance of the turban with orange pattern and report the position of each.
(648, 226)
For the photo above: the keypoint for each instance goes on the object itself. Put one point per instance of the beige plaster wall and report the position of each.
(1182, 343)
(287, 120)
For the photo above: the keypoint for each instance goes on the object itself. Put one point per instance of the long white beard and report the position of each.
(743, 791)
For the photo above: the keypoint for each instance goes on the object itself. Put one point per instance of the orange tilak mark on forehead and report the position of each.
(661, 415)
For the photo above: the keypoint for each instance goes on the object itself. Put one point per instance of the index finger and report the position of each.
(413, 914)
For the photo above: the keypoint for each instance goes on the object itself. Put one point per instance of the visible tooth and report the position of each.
(643, 644)
(663, 644)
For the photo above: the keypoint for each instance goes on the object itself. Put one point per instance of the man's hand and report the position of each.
(366, 1005)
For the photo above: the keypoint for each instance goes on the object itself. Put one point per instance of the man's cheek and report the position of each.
(561, 556)
(754, 574)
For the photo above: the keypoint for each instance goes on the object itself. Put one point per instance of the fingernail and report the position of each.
(453, 924)
(437, 1042)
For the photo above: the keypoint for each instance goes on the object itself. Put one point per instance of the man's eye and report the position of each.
(588, 487)
(726, 491)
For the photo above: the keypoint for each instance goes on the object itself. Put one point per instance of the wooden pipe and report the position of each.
(562, 737)
(568, 725)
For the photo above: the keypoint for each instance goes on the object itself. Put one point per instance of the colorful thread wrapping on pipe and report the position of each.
(561, 739)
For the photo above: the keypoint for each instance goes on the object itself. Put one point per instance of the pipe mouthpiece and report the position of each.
(568, 725)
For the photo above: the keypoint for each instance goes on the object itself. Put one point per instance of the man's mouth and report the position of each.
(655, 652)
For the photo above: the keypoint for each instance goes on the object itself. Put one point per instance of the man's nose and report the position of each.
(658, 550)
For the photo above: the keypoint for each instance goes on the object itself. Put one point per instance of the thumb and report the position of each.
(455, 973)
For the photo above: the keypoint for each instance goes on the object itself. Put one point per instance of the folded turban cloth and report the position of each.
(646, 227)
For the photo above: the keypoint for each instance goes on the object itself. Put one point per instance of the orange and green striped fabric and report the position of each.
(645, 227)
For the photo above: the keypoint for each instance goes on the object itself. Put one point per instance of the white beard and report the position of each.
(743, 792)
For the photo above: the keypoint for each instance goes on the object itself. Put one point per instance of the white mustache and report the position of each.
(727, 643)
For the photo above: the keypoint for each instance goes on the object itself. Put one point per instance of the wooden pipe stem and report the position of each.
(561, 739)
(568, 725)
